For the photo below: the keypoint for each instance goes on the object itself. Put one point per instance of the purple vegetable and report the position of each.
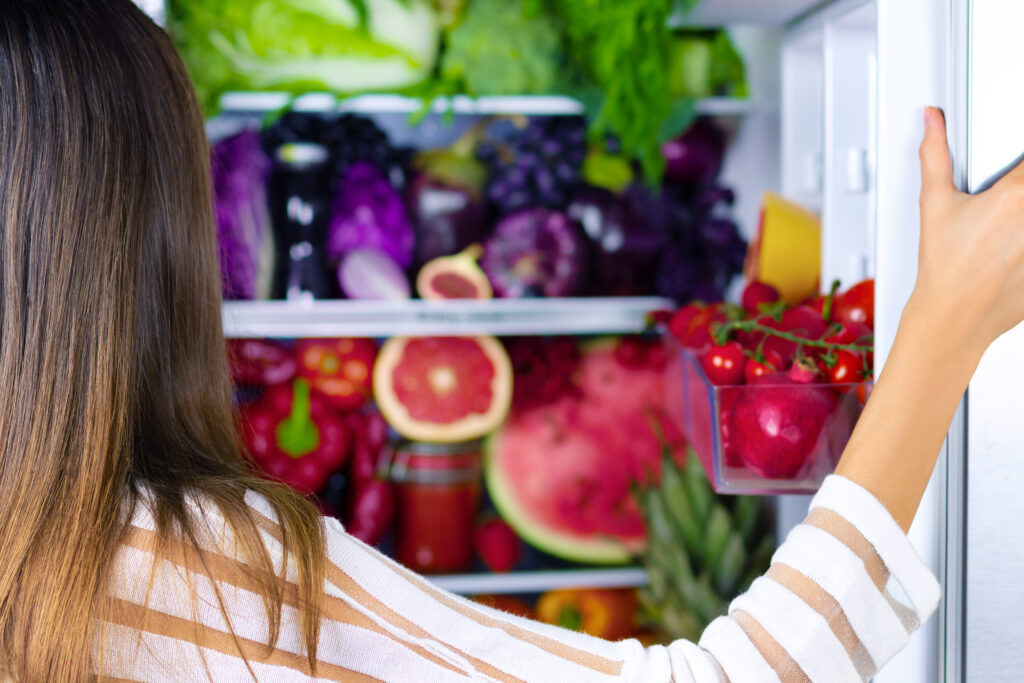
(447, 218)
(535, 252)
(245, 243)
(695, 157)
(372, 274)
(625, 246)
(368, 213)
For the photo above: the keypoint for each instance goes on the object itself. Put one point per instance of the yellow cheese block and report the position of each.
(786, 252)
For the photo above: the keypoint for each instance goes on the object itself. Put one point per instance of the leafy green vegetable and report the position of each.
(623, 46)
(705, 63)
(344, 46)
(500, 50)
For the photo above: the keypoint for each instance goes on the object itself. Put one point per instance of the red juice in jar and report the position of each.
(438, 493)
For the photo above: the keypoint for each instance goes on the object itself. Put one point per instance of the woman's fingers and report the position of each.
(936, 166)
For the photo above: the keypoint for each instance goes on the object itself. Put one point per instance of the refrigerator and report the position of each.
(834, 122)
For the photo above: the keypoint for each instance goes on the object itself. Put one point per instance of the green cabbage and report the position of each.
(344, 46)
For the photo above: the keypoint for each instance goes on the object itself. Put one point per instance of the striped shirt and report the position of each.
(842, 596)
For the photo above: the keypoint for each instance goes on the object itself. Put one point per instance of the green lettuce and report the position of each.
(343, 46)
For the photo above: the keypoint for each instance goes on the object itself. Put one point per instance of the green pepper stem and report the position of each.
(297, 435)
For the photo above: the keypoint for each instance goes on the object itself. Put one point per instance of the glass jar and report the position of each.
(438, 490)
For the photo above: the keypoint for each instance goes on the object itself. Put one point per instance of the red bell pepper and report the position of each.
(295, 437)
(339, 370)
(371, 508)
(256, 362)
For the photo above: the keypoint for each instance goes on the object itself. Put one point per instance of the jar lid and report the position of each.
(425, 448)
(301, 154)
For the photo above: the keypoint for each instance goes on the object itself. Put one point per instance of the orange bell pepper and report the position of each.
(600, 612)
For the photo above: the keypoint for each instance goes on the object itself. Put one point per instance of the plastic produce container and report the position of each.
(764, 439)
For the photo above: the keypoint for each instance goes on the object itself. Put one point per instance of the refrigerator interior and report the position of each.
(810, 131)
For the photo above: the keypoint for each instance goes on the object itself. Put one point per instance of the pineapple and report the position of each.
(702, 550)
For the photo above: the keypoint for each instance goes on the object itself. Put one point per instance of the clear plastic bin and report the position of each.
(764, 439)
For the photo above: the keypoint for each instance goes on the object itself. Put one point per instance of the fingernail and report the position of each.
(928, 116)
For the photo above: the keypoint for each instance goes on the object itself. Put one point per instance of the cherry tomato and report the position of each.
(679, 325)
(803, 322)
(817, 303)
(754, 370)
(850, 333)
(847, 368)
(757, 293)
(856, 305)
(724, 364)
(863, 391)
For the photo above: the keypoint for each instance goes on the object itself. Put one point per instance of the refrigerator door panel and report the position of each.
(911, 74)
(994, 629)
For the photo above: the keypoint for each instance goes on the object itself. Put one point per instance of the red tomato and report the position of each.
(724, 364)
(850, 333)
(753, 369)
(847, 369)
(856, 305)
(862, 393)
(817, 303)
(757, 293)
(803, 322)
(679, 325)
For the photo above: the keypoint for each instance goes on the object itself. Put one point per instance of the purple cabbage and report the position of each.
(245, 242)
(368, 213)
(535, 252)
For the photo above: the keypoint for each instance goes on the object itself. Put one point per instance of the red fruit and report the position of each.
(698, 335)
(372, 511)
(856, 305)
(754, 370)
(802, 321)
(850, 333)
(757, 293)
(817, 303)
(631, 351)
(804, 371)
(497, 545)
(724, 364)
(777, 429)
(847, 369)
(679, 325)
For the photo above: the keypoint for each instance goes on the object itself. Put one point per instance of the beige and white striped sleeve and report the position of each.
(843, 595)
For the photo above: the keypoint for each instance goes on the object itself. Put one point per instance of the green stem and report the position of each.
(826, 311)
(755, 326)
(297, 435)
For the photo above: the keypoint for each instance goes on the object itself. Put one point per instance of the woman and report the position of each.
(136, 543)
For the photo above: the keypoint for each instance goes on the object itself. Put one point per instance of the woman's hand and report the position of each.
(969, 290)
(970, 281)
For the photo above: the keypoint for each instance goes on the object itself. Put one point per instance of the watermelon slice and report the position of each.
(561, 474)
(443, 389)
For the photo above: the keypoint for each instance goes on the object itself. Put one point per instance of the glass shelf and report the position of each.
(501, 317)
(250, 103)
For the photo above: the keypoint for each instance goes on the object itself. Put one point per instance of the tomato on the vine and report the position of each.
(848, 368)
(724, 364)
(856, 305)
(754, 369)
(850, 333)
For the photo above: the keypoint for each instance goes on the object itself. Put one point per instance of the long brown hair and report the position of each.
(112, 361)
